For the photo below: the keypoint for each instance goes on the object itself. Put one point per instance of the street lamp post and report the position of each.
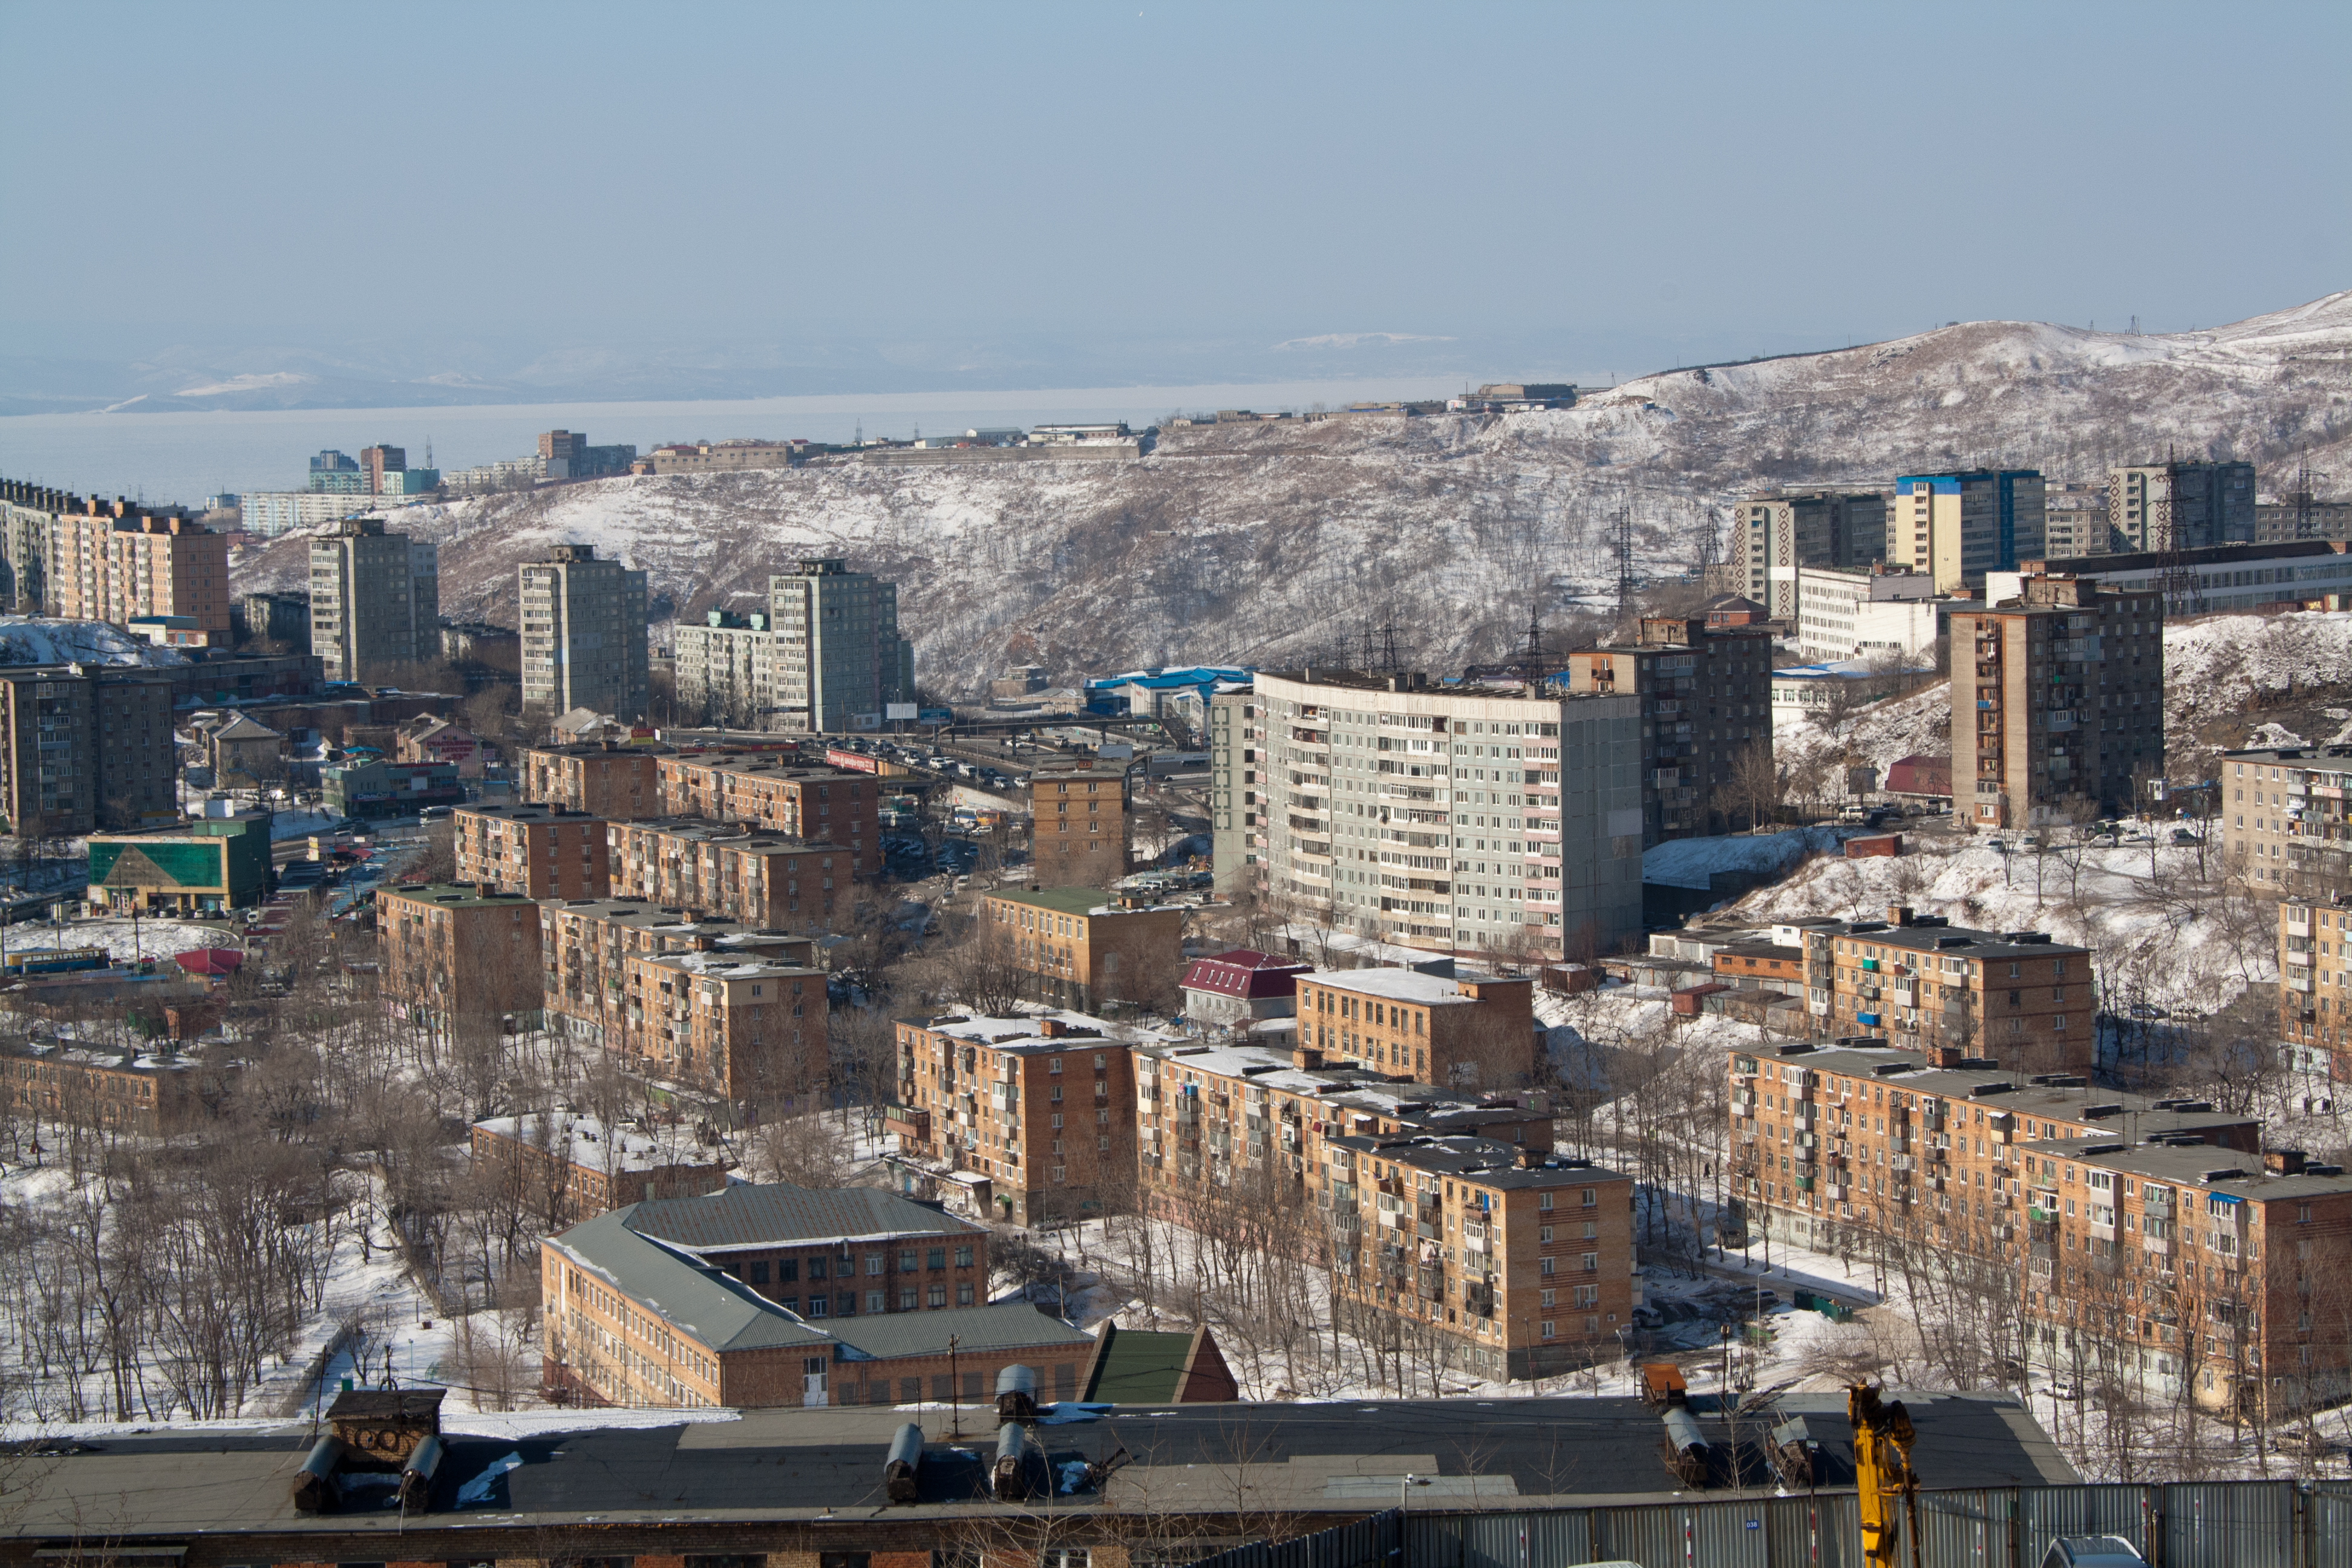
(1404, 1494)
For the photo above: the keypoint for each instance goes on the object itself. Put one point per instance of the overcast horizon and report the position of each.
(522, 204)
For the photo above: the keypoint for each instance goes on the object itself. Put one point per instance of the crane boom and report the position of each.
(1883, 1473)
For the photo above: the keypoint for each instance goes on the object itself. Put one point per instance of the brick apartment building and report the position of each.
(2057, 705)
(2284, 826)
(1086, 950)
(764, 880)
(819, 805)
(1440, 1022)
(570, 1167)
(1829, 1139)
(116, 562)
(775, 1295)
(2314, 940)
(744, 1027)
(457, 954)
(1043, 1106)
(619, 783)
(2150, 1238)
(1079, 824)
(1706, 697)
(1923, 986)
(539, 851)
(84, 748)
(585, 946)
(129, 1091)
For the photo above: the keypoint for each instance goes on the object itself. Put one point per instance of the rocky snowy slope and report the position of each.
(40, 640)
(1265, 543)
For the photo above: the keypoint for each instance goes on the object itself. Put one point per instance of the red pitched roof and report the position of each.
(1246, 973)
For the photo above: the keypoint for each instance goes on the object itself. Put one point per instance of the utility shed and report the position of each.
(1139, 1366)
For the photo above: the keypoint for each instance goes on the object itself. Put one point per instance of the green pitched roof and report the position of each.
(1137, 1366)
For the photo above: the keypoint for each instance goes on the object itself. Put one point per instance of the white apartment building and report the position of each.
(272, 512)
(375, 600)
(584, 634)
(1469, 819)
(1845, 613)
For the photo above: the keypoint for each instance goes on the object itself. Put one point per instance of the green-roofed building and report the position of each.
(208, 864)
(1140, 1366)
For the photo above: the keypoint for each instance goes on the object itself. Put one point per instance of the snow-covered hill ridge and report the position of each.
(41, 639)
(1276, 542)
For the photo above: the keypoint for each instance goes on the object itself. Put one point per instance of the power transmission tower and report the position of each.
(1531, 657)
(1388, 664)
(1621, 539)
(2307, 510)
(1364, 659)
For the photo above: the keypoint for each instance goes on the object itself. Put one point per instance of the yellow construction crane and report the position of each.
(1883, 1473)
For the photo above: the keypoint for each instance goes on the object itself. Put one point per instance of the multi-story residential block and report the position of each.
(2219, 1271)
(721, 456)
(115, 562)
(2212, 581)
(726, 669)
(84, 747)
(375, 600)
(837, 655)
(566, 455)
(2302, 516)
(334, 473)
(1086, 950)
(819, 805)
(271, 513)
(1705, 699)
(1874, 613)
(539, 851)
(2149, 1238)
(1462, 818)
(1925, 986)
(775, 1295)
(748, 1029)
(1440, 1023)
(1779, 533)
(1828, 1144)
(458, 956)
(766, 880)
(619, 783)
(2075, 521)
(2284, 822)
(584, 634)
(2173, 505)
(274, 617)
(586, 944)
(2057, 705)
(1041, 1106)
(1239, 791)
(1080, 817)
(568, 1166)
(384, 471)
(28, 523)
(376, 789)
(2314, 940)
(1957, 527)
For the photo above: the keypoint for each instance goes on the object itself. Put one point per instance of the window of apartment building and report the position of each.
(963, 1257)
(1053, 1064)
(936, 1258)
(1548, 1267)
(906, 1298)
(757, 1273)
(1543, 1202)
(937, 1296)
(906, 1260)
(1547, 1329)
(1592, 1197)
(873, 1263)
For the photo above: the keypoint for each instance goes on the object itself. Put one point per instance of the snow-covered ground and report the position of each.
(121, 938)
(1691, 862)
(43, 639)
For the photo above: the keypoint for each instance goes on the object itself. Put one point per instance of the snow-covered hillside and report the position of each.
(1273, 543)
(38, 639)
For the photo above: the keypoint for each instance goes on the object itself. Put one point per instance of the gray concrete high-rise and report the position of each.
(584, 634)
(375, 600)
(2181, 506)
(837, 651)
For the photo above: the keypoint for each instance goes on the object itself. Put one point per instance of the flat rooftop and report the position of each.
(1344, 1458)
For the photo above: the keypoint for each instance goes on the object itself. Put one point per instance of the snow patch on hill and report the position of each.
(43, 639)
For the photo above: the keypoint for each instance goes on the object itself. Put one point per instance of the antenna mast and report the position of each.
(1621, 544)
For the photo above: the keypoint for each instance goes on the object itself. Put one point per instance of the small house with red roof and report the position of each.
(1240, 988)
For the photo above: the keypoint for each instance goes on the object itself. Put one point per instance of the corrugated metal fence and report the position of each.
(2222, 1524)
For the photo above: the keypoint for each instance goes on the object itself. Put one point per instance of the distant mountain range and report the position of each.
(1263, 543)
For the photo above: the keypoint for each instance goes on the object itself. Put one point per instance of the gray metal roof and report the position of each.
(714, 1309)
(776, 1214)
(1015, 1325)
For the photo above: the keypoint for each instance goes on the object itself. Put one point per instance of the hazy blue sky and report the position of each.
(551, 191)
